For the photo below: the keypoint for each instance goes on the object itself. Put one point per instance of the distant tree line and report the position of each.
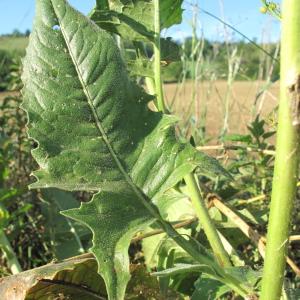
(17, 33)
(206, 59)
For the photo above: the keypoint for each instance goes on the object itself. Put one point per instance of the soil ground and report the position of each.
(246, 99)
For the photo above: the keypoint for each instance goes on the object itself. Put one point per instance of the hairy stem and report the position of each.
(206, 222)
(157, 58)
(287, 154)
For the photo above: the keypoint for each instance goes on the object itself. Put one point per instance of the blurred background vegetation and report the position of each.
(252, 64)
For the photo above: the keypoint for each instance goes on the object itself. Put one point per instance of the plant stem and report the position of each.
(195, 194)
(287, 153)
(157, 59)
(9, 253)
(204, 218)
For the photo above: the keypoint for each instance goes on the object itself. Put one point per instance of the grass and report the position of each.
(12, 44)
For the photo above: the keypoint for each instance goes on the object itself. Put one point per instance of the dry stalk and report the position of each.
(253, 235)
(235, 147)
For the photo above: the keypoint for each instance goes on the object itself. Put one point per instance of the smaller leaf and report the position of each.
(268, 134)
(140, 67)
(246, 274)
(209, 289)
(289, 292)
(238, 138)
(133, 20)
(165, 262)
(183, 269)
(257, 127)
(170, 51)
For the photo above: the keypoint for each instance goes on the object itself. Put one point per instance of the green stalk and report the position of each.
(9, 254)
(157, 59)
(195, 194)
(208, 226)
(287, 153)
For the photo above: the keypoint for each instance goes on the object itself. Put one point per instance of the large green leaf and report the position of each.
(133, 19)
(95, 133)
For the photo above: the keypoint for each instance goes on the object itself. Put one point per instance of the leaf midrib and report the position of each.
(101, 129)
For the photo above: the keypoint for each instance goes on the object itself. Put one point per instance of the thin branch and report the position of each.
(235, 147)
(159, 231)
(294, 238)
(253, 199)
(9, 254)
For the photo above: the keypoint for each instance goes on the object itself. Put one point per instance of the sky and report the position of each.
(244, 15)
